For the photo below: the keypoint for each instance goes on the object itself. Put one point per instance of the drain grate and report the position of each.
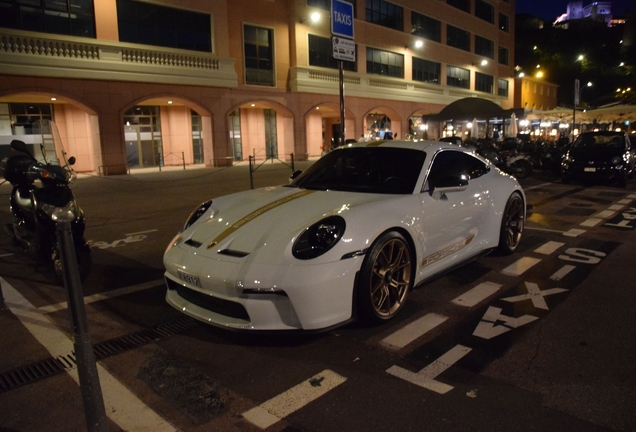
(53, 366)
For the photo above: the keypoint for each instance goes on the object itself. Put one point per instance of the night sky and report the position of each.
(550, 9)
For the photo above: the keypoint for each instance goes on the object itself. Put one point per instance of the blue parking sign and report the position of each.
(342, 18)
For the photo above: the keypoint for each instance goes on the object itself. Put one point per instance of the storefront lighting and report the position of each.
(553, 132)
(524, 123)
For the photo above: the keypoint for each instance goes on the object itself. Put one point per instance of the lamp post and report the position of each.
(577, 97)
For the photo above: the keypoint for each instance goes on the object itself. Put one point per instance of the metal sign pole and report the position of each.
(342, 107)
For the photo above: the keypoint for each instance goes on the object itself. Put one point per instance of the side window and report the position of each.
(455, 164)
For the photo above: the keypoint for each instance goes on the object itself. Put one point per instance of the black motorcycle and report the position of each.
(506, 156)
(37, 209)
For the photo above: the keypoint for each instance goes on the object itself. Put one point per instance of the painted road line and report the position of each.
(542, 229)
(615, 207)
(426, 377)
(631, 196)
(104, 296)
(605, 214)
(477, 294)
(519, 267)
(574, 232)
(279, 407)
(591, 222)
(549, 248)
(414, 330)
(141, 232)
(624, 201)
(562, 272)
(122, 406)
(535, 295)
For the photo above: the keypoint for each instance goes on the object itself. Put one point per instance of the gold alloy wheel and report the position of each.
(513, 222)
(390, 278)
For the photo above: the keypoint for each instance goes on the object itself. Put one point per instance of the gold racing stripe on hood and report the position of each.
(446, 251)
(256, 213)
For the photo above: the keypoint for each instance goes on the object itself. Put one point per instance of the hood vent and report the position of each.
(233, 253)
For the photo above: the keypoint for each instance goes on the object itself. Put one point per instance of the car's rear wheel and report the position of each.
(512, 224)
(386, 278)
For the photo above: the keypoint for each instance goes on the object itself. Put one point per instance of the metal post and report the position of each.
(293, 169)
(86, 364)
(183, 158)
(342, 108)
(251, 173)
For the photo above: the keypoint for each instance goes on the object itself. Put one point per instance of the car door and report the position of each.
(452, 220)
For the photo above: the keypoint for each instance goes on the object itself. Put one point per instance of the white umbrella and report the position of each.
(474, 131)
(513, 130)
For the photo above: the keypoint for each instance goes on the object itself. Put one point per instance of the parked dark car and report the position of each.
(602, 155)
(452, 139)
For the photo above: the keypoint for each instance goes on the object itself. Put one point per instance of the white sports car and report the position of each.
(347, 238)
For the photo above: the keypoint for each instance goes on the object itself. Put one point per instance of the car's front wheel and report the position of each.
(512, 224)
(386, 278)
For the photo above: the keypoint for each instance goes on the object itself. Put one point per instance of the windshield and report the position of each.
(599, 140)
(383, 170)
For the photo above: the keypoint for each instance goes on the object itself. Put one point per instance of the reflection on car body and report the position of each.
(347, 238)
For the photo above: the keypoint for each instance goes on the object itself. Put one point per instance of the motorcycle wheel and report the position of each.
(84, 262)
(521, 169)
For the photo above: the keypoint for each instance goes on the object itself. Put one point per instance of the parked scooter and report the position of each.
(37, 209)
(507, 157)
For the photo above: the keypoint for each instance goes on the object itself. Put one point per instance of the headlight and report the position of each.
(319, 238)
(196, 214)
(68, 213)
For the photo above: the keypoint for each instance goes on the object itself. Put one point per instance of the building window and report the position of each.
(484, 47)
(484, 11)
(384, 13)
(151, 24)
(426, 71)
(259, 63)
(484, 83)
(502, 87)
(385, 63)
(457, 77)
(23, 116)
(504, 22)
(457, 38)
(503, 56)
(65, 17)
(322, 4)
(321, 54)
(426, 27)
(460, 4)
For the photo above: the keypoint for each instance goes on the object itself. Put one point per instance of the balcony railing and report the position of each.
(37, 54)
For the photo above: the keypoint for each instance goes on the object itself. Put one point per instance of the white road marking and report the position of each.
(122, 406)
(520, 266)
(624, 201)
(615, 207)
(535, 295)
(486, 329)
(141, 232)
(104, 296)
(426, 377)
(591, 222)
(574, 232)
(477, 294)
(549, 248)
(414, 330)
(562, 272)
(279, 407)
(631, 196)
(542, 229)
(605, 214)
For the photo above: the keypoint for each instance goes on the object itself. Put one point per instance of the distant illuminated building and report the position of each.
(596, 11)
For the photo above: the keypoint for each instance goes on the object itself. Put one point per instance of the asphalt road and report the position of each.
(542, 340)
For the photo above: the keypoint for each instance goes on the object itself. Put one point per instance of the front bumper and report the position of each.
(238, 294)
(602, 171)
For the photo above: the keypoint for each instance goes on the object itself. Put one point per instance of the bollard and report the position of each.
(92, 398)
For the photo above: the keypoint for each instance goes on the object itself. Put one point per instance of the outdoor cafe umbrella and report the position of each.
(474, 130)
(513, 130)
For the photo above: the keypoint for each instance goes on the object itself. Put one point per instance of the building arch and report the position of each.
(322, 127)
(381, 122)
(261, 128)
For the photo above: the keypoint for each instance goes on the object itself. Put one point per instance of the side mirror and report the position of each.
(295, 174)
(71, 160)
(448, 184)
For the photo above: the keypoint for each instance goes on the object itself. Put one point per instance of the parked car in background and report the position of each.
(602, 155)
(347, 239)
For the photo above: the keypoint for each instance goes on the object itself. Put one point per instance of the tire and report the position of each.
(385, 279)
(512, 223)
(522, 169)
(84, 262)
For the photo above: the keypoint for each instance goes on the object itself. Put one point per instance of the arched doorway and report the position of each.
(77, 125)
(261, 129)
(322, 126)
(382, 123)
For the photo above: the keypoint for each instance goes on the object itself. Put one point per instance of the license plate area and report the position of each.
(188, 278)
(589, 169)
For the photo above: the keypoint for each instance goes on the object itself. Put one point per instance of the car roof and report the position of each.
(415, 145)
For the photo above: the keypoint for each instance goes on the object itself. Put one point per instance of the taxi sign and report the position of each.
(342, 18)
